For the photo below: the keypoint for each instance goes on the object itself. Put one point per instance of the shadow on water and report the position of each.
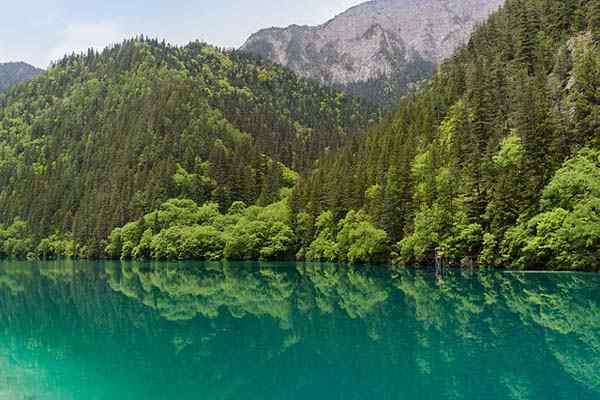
(105, 330)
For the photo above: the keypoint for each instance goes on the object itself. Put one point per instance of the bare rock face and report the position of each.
(374, 39)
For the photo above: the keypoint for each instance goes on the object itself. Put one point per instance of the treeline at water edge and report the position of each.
(153, 151)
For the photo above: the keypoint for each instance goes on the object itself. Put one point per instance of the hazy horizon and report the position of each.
(38, 32)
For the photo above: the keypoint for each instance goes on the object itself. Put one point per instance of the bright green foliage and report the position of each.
(488, 256)
(470, 168)
(261, 233)
(508, 196)
(471, 152)
(131, 234)
(182, 230)
(429, 222)
(358, 240)
(465, 243)
(15, 240)
(323, 247)
(144, 248)
(103, 138)
(354, 239)
(566, 233)
(197, 186)
(510, 153)
(447, 236)
(56, 246)
(576, 182)
(304, 228)
(187, 242)
(181, 212)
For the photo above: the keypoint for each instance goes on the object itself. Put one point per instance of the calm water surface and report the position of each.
(294, 331)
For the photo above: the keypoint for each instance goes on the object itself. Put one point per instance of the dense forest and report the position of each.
(496, 161)
(103, 138)
(153, 151)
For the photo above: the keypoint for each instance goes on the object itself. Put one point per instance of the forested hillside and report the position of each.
(496, 161)
(102, 138)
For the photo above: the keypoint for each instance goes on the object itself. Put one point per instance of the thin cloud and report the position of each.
(79, 37)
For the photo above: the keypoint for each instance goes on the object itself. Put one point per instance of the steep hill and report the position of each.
(378, 48)
(496, 161)
(15, 72)
(99, 139)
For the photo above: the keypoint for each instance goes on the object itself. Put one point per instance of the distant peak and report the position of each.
(15, 72)
(374, 39)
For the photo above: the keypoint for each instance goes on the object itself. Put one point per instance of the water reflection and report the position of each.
(109, 330)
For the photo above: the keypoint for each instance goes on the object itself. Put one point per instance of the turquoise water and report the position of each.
(294, 331)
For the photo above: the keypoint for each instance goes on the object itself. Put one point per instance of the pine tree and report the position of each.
(593, 19)
(560, 15)
(527, 28)
(585, 97)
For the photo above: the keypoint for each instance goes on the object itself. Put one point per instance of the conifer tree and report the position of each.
(593, 19)
(527, 28)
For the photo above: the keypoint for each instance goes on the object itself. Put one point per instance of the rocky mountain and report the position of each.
(14, 72)
(400, 41)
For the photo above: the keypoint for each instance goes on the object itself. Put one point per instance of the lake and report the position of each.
(112, 330)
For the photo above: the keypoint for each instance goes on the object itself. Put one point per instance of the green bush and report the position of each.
(566, 233)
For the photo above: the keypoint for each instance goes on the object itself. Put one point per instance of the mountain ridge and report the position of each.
(12, 73)
(397, 40)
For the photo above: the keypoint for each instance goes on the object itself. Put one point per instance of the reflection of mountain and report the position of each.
(296, 331)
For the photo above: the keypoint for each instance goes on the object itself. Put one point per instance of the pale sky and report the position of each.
(39, 31)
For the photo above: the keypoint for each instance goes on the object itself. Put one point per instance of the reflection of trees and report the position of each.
(565, 304)
(452, 338)
(236, 324)
(70, 313)
(567, 307)
(358, 292)
(480, 318)
(182, 293)
(16, 275)
(583, 366)
(452, 301)
(229, 324)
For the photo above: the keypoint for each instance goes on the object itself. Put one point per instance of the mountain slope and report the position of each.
(13, 73)
(102, 138)
(496, 161)
(397, 41)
